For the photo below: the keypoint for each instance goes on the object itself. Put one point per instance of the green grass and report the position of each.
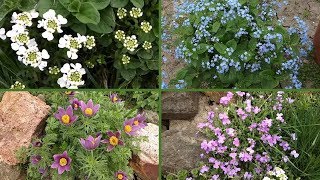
(305, 117)
(310, 75)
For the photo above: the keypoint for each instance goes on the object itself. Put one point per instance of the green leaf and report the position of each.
(107, 22)
(232, 44)
(88, 14)
(44, 5)
(145, 54)
(202, 48)
(215, 27)
(138, 3)
(79, 28)
(65, 3)
(221, 48)
(153, 64)
(27, 5)
(119, 4)
(99, 4)
(128, 74)
(74, 6)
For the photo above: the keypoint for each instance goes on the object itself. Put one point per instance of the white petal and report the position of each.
(15, 46)
(65, 68)
(32, 43)
(49, 14)
(34, 13)
(40, 23)
(47, 35)
(45, 54)
(62, 20)
(42, 65)
(3, 37)
(69, 54)
(62, 43)
(74, 56)
(21, 51)
(61, 82)
(2, 31)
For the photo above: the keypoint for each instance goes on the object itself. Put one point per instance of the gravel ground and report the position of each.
(308, 10)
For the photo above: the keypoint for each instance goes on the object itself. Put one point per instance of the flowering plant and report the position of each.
(237, 43)
(92, 140)
(250, 138)
(74, 43)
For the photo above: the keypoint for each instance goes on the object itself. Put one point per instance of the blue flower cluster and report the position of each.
(262, 41)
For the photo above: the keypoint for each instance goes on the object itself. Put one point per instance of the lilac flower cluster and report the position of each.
(245, 138)
(253, 26)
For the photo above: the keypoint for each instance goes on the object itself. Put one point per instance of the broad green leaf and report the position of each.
(88, 14)
(145, 54)
(128, 74)
(99, 4)
(138, 3)
(221, 48)
(74, 6)
(215, 27)
(232, 44)
(119, 3)
(27, 5)
(107, 22)
(202, 48)
(79, 28)
(153, 64)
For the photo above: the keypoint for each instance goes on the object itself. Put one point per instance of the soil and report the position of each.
(308, 10)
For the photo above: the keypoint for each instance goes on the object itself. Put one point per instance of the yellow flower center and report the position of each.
(114, 141)
(75, 105)
(68, 92)
(136, 122)
(88, 111)
(65, 119)
(63, 162)
(120, 176)
(115, 99)
(128, 128)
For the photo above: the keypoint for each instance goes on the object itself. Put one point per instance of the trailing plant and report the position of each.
(237, 44)
(74, 43)
(89, 135)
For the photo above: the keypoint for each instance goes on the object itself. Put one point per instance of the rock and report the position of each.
(8, 172)
(152, 117)
(22, 116)
(180, 150)
(182, 106)
(215, 96)
(146, 163)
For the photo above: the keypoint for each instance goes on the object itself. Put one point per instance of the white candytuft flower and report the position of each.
(72, 76)
(73, 44)
(51, 23)
(3, 34)
(89, 42)
(131, 43)
(33, 57)
(136, 12)
(24, 18)
(18, 37)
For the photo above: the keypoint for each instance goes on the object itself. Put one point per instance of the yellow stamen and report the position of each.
(115, 99)
(65, 119)
(114, 141)
(120, 176)
(128, 128)
(68, 92)
(136, 122)
(88, 111)
(63, 162)
(75, 105)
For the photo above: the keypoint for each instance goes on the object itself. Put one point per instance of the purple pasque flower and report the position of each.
(91, 143)
(120, 175)
(75, 103)
(113, 140)
(35, 159)
(114, 98)
(89, 109)
(139, 121)
(37, 143)
(43, 171)
(66, 117)
(129, 127)
(62, 162)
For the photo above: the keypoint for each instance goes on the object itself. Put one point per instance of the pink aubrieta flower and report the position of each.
(224, 118)
(75, 103)
(129, 127)
(62, 162)
(215, 177)
(35, 159)
(256, 110)
(114, 98)
(204, 169)
(113, 140)
(280, 117)
(91, 143)
(66, 117)
(245, 157)
(89, 109)
(294, 154)
(120, 175)
(241, 94)
(236, 142)
(226, 99)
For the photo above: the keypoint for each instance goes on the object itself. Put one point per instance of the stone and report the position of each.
(8, 172)
(179, 105)
(180, 150)
(146, 163)
(152, 117)
(22, 116)
(215, 96)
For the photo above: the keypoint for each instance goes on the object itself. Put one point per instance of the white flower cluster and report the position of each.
(51, 23)
(277, 172)
(72, 76)
(25, 47)
(75, 43)
(28, 52)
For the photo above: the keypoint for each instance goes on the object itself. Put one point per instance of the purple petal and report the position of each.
(110, 147)
(60, 170)
(110, 133)
(69, 111)
(105, 141)
(55, 165)
(96, 108)
(90, 104)
(118, 134)
(120, 143)
(83, 106)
